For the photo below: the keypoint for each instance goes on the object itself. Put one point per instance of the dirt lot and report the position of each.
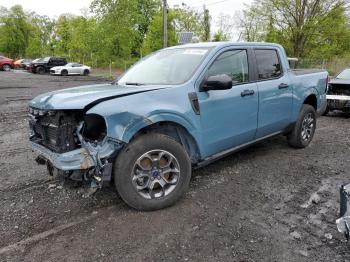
(267, 203)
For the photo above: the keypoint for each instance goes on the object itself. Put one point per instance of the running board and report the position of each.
(227, 152)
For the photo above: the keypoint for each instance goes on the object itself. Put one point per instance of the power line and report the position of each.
(218, 2)
(213, 3)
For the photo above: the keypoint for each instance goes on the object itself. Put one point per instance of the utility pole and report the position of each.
(165, 23)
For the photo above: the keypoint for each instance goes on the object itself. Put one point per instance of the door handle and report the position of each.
(283, 86)
(247, 93)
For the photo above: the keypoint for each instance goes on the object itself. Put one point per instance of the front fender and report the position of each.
(123, 126)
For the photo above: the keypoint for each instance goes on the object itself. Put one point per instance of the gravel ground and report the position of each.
(266, 203)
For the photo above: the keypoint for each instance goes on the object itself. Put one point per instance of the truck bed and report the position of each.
(299, 72)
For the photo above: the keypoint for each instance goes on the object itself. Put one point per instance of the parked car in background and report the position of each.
(180, 108)
(71, 69)
(45, 64)
(6, 63)
(22, 63)
(338, 92)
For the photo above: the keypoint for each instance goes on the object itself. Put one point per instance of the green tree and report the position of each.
(154, 37)
(40, 36)
(123, 24)
(14, 31)
(301, 26)
(206, 25)
(187, 19)
(224, 25)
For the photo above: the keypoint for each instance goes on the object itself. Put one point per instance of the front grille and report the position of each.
(339, 89)
(56, 131)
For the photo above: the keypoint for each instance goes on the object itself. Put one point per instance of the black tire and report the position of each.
(86, 72)
(299, 137)
(6, 67)
(125, 165)
(64, 72)
(40, 70)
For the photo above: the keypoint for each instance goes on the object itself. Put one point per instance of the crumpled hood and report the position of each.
(339, 81)
(83, 97)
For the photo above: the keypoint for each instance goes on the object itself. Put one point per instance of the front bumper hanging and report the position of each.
(91, 158)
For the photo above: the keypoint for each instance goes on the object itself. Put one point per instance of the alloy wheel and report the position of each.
(307, 127)
(155, 174)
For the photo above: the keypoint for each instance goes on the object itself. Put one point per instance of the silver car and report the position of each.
(71, 69)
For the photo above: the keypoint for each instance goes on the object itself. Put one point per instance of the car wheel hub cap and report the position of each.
(155, 174)
(307, 127)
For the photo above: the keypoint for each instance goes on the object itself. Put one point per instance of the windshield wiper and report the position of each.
(134, 84)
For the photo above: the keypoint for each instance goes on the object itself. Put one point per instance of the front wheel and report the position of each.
(304, 129)
(6, 67)
(152, 172)
(64, 73)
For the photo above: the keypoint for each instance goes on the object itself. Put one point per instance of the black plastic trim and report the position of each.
(194, 102)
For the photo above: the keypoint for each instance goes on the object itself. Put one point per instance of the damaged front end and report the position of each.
(343, 223)
(338, 97)
(74, 144)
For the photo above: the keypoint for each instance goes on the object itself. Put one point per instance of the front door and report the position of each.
(229, 117)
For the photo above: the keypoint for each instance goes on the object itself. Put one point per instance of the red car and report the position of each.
(6, 64)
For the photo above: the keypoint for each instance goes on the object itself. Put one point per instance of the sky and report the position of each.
(53, 8)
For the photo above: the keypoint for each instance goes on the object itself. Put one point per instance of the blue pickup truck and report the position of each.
(177, 109)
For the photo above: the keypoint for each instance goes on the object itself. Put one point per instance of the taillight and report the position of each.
(327, 82)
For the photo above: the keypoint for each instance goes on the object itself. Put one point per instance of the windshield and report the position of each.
(46, 59)
(344, 74)
(171, 67)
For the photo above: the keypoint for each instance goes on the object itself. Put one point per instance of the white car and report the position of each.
(71, 69)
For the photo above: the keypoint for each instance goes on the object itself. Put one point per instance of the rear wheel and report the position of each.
(86, 72)
(152, 172)
(40, 70)
(304, 129)
(64, 73)
(6, 67)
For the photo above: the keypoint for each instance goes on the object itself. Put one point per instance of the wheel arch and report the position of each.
(311, 100)
(176, 131)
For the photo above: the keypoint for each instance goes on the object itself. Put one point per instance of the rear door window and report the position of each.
(269, 65)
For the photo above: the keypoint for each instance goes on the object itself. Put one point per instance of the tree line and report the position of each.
(129, 29)
(306, 28)
(114, 29)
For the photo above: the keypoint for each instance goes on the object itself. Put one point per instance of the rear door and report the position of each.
(229, 117)
(275, 92)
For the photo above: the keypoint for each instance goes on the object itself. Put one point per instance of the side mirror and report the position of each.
(216, 82)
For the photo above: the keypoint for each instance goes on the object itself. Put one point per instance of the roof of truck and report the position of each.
(224, 44)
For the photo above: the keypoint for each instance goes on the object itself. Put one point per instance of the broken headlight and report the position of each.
(95, 128)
